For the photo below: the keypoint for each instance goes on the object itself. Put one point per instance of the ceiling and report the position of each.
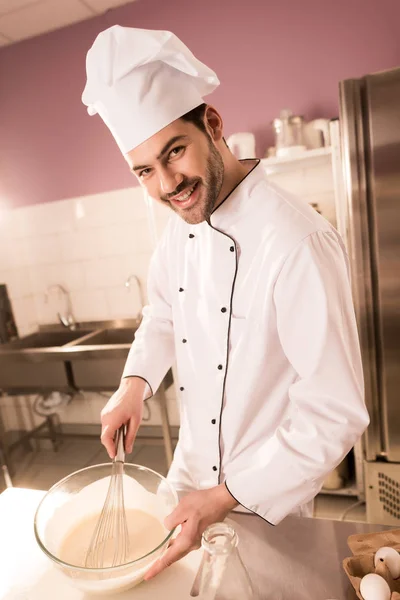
(21, 19)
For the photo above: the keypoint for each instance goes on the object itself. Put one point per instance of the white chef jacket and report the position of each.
(256, 308)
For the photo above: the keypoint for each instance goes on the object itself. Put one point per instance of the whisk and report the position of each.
(109, 545)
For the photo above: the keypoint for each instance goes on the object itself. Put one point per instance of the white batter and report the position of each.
(146, 532)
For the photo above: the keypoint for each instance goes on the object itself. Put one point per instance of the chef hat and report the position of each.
(139, 81)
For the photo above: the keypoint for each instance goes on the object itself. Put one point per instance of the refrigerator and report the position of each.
(366, 150)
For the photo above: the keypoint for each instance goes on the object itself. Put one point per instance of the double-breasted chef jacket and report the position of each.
(255, 306)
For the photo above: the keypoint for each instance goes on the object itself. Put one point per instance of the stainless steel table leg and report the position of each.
(4, 468)
(3, 456)
(165, 424)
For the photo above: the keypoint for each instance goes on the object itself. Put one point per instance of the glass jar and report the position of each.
(289, 131)
(222, 574)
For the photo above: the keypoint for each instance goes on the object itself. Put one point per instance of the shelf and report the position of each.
(309, 158)
(347, 490)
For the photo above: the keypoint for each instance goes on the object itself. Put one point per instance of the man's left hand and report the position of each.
(195, 512)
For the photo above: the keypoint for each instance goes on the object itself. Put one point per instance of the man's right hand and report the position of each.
(124, 407)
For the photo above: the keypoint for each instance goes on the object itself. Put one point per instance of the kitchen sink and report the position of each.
(45, 339)
(23, 370)
(101, 370)
(119, 335)
(91, 357)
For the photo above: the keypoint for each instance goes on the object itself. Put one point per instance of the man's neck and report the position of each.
(235, 171)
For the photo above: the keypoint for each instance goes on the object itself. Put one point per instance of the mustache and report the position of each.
(186, 183)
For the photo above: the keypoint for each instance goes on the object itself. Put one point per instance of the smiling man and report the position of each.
(194, 170)
(248, 292)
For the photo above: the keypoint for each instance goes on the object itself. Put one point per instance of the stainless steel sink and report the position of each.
(45, 339)
(104, 360)
(23, 370)
(119, 335)
(91, 357)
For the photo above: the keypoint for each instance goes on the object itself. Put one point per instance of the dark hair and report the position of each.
(196, 116)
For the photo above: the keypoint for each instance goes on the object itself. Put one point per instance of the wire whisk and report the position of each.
(109, 545)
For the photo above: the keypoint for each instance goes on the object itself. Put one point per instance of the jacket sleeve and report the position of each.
(327, 415)
(153, 350)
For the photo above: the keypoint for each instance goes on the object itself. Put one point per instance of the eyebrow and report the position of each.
(164, 150)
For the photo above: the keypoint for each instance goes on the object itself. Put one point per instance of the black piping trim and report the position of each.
(230, 317)
(249, 509)
(227, 351)
(237, 185)
(143, 379)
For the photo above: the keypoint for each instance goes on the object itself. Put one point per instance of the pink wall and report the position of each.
(268, 55)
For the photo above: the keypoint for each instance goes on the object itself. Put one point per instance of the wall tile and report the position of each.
(69, 275)
(18, 253)
(124, 239)
(21, 222)
(5, 246)
(47, 307)
(41, 249)
(109, 208)
(79, 245)
(90, 305)
(122, 303)
(108, 272)
(18, 282)
(25, 314)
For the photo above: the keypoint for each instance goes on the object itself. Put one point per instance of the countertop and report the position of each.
(300, 559)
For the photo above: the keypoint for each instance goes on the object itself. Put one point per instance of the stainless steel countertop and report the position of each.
(299, 559)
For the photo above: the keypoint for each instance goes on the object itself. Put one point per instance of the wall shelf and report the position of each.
(309, 158)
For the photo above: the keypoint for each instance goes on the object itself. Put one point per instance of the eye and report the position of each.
(176, 151)
(143, 173)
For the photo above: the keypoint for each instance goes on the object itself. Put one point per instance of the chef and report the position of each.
(248, 292)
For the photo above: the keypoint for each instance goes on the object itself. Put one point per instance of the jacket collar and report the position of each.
(236, 203)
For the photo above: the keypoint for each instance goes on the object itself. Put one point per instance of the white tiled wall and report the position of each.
(91, 245)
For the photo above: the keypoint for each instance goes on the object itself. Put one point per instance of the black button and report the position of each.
(181, 289)
(220, 367)
(184, 341)
(223, 309)
(181, 388)
(232, 248)
(215, 468)
(213, 421)
(191, 235)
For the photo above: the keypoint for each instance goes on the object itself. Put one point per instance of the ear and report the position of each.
(213, 123)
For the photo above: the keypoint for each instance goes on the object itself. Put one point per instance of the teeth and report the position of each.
(185, 196)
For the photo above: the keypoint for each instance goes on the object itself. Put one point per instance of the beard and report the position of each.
(209, 189)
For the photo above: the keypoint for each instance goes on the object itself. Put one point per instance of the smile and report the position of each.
(186, 199)
(185, 196)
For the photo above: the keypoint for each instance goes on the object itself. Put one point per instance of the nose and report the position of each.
(169, 181)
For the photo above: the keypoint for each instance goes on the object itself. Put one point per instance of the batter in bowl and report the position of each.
(146, 532)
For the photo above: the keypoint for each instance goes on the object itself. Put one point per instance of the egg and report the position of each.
(374, 587)
(391, 558)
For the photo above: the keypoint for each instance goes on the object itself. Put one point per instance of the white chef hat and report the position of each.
(140, 80)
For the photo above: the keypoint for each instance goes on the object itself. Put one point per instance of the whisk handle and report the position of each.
(120, 444)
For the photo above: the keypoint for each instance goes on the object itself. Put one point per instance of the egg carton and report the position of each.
(364, 547)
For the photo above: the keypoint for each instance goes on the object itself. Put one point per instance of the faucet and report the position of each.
(67, 320)
(139, 290)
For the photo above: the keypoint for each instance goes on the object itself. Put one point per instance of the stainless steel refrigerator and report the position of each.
(368, 216)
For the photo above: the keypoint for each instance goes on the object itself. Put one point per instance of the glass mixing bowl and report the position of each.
(82, 494)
